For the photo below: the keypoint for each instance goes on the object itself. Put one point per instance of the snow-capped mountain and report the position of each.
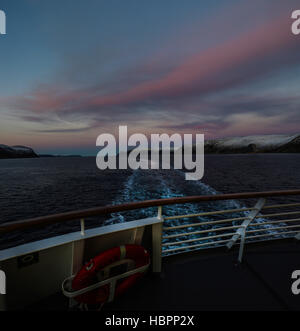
(255, 144)
(7, 152)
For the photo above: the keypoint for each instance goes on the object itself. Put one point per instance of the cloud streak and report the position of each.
(181, 90)
(218, 68)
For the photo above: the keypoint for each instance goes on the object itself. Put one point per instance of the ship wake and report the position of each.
(160, 184)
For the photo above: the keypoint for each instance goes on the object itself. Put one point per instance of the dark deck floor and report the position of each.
(216, 282)
(212, 280)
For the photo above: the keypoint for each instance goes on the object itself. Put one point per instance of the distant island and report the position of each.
(249, 145)
(234, 145)
(16, 152)
(23, 152)
(254, 144)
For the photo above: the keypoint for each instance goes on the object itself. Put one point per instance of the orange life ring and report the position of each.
(88, 273)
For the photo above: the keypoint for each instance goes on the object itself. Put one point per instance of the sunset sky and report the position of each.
(73, 69)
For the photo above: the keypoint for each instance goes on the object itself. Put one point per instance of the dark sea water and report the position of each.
(37, 187)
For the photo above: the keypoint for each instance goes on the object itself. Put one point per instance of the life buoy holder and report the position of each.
(89, 273)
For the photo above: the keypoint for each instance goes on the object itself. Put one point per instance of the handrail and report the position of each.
(81, 214)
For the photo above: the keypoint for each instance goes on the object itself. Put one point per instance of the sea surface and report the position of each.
(37, 187)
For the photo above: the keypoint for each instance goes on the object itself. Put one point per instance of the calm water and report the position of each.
(37, 187)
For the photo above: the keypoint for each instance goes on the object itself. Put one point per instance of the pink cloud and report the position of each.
(220, 67)
(200, 73)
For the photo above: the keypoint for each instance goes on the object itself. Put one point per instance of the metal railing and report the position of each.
(253, 227)
(242, 225)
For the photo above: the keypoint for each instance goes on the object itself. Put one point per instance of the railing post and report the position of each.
(157, 242)
(82, 227)
(242, 244)
(241, 232)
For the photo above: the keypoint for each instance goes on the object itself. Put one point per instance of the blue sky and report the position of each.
(73, 69)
